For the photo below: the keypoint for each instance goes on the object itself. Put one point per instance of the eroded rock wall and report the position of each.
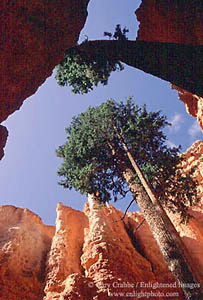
(3, 138)
(66, 250)
(92, 255)
(34, 36)
(24, 244)
(109, 257)
(191, 234)
(177, 22)
(193, 158)
(112, 263)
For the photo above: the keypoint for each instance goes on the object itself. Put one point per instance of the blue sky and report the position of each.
(28, 171)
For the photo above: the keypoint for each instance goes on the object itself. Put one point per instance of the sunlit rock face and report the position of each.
(64, 258)
(34, 36)
(92, 254)
(193, 158)
(110, 260)
(177, 22)
(118, 255)
(24, 244)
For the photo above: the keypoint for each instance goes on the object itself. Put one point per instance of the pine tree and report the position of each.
(92, 62)
(105, 149)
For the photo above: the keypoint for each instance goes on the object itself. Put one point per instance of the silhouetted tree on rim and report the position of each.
(116, 147)
(91, 62)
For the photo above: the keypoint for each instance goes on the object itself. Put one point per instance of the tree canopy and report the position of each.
(94, 158)
(91, 62)
(83, 71)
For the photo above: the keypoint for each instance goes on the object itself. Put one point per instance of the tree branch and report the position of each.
(179, 64)
(131, 202)
(139, 225)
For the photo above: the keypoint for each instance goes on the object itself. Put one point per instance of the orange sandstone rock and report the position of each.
(191, 234)
(93, 255)
(177, 22)
(193, 158)
(24, 243)
(34, 37)
(64, 257)
(170, 21)
(193, 103)
(109, 257)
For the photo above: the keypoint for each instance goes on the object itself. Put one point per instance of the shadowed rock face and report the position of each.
(3, 138)
(89, 255)
(34, 36)
(176, 22)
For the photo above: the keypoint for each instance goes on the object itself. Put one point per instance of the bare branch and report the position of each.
(139, 225)
(131, 202)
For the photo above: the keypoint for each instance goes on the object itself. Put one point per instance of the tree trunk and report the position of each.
(159, 208)
(179, 64)
(92, 200)
(170, 244)
(171, 247)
